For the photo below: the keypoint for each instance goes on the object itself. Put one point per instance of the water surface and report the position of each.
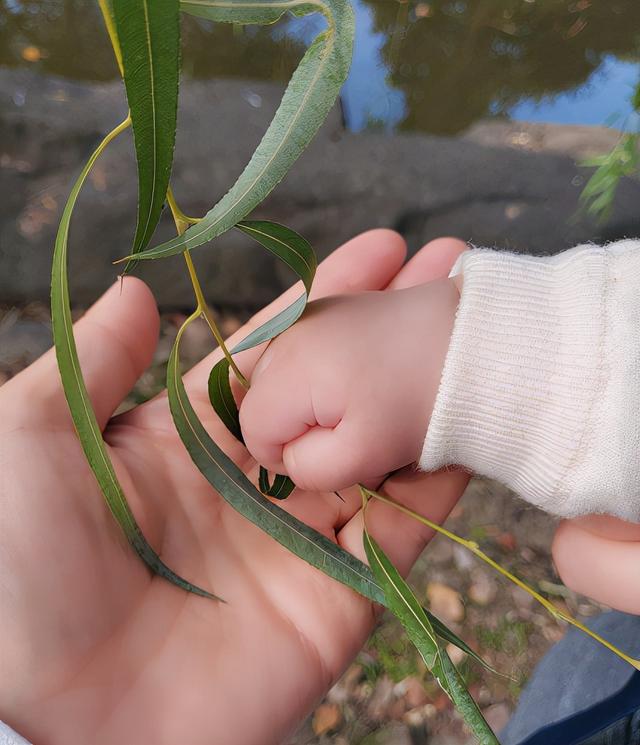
(436, 66)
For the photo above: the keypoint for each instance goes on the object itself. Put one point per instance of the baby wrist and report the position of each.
(537, 390)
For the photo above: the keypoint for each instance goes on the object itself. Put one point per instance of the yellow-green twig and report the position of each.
(182, 223)
(475, 549)
(178, 214)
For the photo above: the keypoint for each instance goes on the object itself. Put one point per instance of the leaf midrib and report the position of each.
(397, 589)
(289, 246)
(72, 356)
(330, 35)
(145, 5)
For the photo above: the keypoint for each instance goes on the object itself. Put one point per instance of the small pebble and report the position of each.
(326, 718)
(483, 589)
(445, 602)
(463, 559)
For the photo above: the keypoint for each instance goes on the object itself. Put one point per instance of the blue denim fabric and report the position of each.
(579, 682)
(624, 732)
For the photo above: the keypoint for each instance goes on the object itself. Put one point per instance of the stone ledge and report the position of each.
(479, 187)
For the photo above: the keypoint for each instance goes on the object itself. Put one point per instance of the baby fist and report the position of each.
(345, 395)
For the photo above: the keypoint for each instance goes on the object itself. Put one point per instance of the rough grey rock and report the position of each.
(344, 183)
(22, 340)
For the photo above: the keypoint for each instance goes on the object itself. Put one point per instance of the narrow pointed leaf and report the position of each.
(148, 32)
(275, 326)
(311, 93)
(402, 602)
(280, 489)
(236, 489)
(106, 7)
(287, 245)
(222, 400)
(233, 486)
(76, 393)
(405, 606)
(448, 636)
(296, 252)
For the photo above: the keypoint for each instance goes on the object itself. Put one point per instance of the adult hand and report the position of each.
(599, 556)
(93, 648)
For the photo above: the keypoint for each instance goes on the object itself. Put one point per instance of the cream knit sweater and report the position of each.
(541, 385)
(9, 737)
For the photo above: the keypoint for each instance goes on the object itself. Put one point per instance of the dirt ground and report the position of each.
(387, 697)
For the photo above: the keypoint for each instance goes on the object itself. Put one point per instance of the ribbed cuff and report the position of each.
(9, 737)
(525, 364)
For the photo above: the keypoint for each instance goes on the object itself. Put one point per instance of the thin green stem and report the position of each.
(178, 213)
(475, 549)
(182, 223)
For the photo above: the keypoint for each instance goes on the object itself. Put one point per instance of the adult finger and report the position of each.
(608, 526)
(597, 566)
(116, 339)
(431, 494)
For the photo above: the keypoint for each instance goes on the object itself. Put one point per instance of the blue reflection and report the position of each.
(370, 100)
(605, 99)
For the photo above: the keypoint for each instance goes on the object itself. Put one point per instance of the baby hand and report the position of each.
(345, 395)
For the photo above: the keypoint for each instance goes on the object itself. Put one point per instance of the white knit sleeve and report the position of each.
(9, 737)
(541, 385)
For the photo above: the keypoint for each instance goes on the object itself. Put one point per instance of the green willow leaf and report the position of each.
(287, 245)
(280, 489)
(222, 400)
(273, 327)
(404, 605)
(296, 252)
(148, 32)
(236, 489)
(106, 7)
(76, 393)
(402, 602)
(311, 93)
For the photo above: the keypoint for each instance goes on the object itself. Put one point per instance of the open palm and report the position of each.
(93, 649)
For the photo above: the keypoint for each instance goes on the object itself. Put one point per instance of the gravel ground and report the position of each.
(387, 697)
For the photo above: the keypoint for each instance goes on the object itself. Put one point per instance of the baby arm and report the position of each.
(535, 384)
